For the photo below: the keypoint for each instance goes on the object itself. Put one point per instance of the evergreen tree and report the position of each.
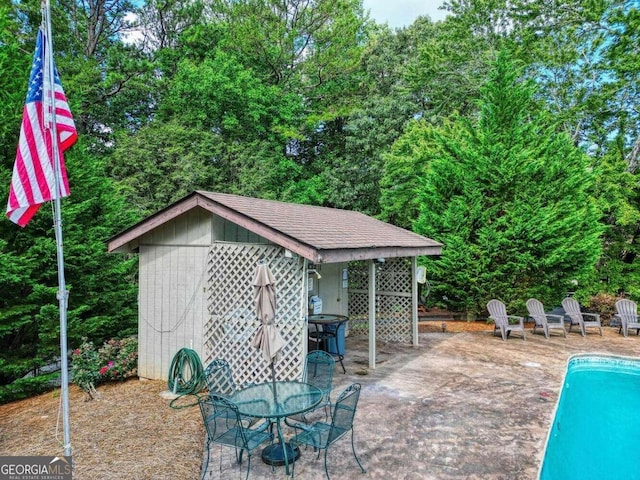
(510, 197)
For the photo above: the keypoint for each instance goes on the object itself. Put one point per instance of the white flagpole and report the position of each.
(50, 110)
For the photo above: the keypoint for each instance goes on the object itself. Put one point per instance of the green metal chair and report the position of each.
(218, 377)
(318, 371)
(223, 425)
(321, 435)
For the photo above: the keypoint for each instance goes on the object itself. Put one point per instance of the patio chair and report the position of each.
(577, 317)
(502, 321)
(223, 425)
(546, 321)
(218, 377)
(321, 435)
(627, 313)
(318, 371)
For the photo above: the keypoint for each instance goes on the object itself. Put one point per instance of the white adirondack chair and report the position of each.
(498, 313)
(584, 320)
(627, 312)
(546, 321)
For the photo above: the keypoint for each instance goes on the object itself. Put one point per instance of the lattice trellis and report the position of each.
(393, 299)
(232, 320)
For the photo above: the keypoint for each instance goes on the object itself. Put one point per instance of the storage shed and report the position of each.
(197, 258)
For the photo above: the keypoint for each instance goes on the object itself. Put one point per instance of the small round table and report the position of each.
(328, 328)
(275, 401)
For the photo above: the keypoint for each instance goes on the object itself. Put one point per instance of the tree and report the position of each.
(163, 162)
(102, 299)
(510, 197)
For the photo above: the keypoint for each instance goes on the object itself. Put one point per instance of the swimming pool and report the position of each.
(596, 430)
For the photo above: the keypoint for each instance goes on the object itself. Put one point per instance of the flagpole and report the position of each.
(50, 111)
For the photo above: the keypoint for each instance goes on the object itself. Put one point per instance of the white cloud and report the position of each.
(402, 13)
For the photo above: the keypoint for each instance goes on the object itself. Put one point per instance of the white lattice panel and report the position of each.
(393, 300)
(232, 319)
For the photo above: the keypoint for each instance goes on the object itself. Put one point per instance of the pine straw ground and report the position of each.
(129, 431)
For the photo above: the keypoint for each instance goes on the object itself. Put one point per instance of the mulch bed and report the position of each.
(454, 326)
(128, 432)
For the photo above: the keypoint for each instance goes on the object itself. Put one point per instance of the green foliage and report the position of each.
(102, 290)
(510, 198)
(404, 169)
(85, 367)
(119, 359)
(115, 360)
(619, 200)
(27, 387)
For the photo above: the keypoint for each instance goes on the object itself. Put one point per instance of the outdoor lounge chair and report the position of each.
(546, 321)
(322, 435)
(577, 317)
(223, 425)
(502, 321)
(627, 313)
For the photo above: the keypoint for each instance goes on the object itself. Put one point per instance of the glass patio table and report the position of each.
(289, 398)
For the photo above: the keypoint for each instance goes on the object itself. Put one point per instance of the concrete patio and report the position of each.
(459, 406)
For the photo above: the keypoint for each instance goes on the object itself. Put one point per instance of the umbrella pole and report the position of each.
(273, 382)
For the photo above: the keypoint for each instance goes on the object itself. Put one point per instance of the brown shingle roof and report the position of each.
(321, 234)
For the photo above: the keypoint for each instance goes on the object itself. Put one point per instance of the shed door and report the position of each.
(232, 321)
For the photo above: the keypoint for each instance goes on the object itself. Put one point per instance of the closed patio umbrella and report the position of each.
(267, 338)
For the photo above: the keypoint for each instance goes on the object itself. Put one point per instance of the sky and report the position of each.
(396, 13)
(402, 13)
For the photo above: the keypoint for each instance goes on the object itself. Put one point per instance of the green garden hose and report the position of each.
(186, 374)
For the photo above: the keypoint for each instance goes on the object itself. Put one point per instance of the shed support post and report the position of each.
(414, 301)
(372, 314)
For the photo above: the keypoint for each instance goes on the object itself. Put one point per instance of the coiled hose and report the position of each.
(186, 373)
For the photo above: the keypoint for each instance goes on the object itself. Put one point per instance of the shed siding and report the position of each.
(227, 231)
(172, 305)
(192, 228)
(334, 294)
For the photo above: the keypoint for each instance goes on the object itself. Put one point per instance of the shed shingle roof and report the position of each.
(321, 234)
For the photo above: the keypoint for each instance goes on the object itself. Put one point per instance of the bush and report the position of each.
(115, 360)
(28, 387)
(605, 305)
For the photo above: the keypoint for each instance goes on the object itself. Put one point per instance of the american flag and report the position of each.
(34, 173)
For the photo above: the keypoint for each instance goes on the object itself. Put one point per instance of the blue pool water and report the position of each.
(596, 429)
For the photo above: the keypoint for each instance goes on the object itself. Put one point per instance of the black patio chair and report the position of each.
(321, 435)
(223, 425)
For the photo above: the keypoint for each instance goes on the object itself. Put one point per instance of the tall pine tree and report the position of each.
(509, 195)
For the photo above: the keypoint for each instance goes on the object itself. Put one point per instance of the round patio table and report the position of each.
(328, 328)
(289, 398)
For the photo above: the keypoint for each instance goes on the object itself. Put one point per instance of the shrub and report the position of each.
(84, 367)
(115, 360)
(27, 387)
(119, 359)
(605, 305)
